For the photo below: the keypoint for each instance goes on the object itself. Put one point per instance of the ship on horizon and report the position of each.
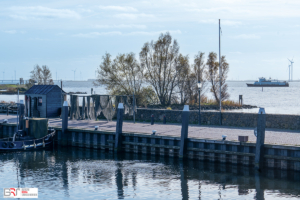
(263, 82)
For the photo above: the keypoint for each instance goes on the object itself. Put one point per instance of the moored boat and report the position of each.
(36, 135)
(19, 142)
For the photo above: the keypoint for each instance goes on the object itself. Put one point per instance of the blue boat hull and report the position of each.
(254, 85)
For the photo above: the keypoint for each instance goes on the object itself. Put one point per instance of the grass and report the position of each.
(212, 102)
(11, 88)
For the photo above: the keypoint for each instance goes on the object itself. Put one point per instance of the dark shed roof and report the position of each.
(41, 89)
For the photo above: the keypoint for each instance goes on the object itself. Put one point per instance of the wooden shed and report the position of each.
(44, 101)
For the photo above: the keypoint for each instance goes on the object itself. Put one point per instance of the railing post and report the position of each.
(64, 123)
(118, 136)
(184, 130)
(260, 138)
(164, 119)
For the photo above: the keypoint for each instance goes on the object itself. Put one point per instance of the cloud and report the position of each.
(154, 32)
(133, 16)
(246, 36)
(138, 26)
(118, 8)
(223, 22)
(40, 12)
(11, 31)
(236, 52)
(96, 34)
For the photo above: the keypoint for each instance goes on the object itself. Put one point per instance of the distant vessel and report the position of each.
(262, 82)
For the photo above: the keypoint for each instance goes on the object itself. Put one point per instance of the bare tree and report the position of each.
(122, 76)
(199, 69)
(224, 86)
(213, 76)
(184, 79)
(41, 75)
(161, 60)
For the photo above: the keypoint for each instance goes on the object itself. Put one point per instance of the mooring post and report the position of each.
(184, 130)
(118, 137)
(260, 138)
(64, 123)
(21, 115)
(164, 120)
(152, 119)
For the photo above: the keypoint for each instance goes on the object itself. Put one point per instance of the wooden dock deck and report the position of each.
(272, 136)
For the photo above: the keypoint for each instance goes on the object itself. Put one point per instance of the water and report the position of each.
(72, 173)
(275, 100)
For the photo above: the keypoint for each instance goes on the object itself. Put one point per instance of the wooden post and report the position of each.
(21, 115)
(64, 123)
(260, 138)
(184, 130)
(118, 137)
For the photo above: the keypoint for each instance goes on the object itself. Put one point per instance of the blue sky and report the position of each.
(257, 36)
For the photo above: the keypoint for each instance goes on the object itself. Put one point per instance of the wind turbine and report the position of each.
(74, 73)
(289, 72)
(292, 61)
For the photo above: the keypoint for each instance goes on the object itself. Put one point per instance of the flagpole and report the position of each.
(220, 72)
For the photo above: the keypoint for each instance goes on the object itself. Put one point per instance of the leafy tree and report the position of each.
(41, 75)
(213, 76)
(162, 62)
(122, 76)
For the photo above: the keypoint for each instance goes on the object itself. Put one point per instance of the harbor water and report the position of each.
(275, 100)
(75, 173)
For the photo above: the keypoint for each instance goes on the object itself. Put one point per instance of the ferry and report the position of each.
(263, 82)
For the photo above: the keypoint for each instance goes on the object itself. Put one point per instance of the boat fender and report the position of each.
(43, 143)
(24, 146)
(34, 145)
(4, 145)
(11, 145)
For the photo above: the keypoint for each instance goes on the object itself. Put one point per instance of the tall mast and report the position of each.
(220, 71)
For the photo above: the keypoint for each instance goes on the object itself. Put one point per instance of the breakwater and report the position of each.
(282, 157)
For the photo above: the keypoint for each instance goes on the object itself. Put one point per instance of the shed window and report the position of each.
(40, 102)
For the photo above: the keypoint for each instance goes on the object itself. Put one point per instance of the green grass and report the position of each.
(11, 88)
(211, 102)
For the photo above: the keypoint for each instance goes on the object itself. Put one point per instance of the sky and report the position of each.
(70, 37)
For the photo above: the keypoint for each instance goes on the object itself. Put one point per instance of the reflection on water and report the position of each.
(89, 174)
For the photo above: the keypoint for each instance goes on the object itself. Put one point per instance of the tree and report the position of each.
(41, 75)
(162, 62)
(213, 76)
(122, 76)
(184, 79)
(199, 70)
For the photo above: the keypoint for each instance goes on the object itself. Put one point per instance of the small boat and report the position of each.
(22, 142)
(262, 82)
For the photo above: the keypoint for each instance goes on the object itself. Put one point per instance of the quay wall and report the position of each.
(282, 157)
(278, 121)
